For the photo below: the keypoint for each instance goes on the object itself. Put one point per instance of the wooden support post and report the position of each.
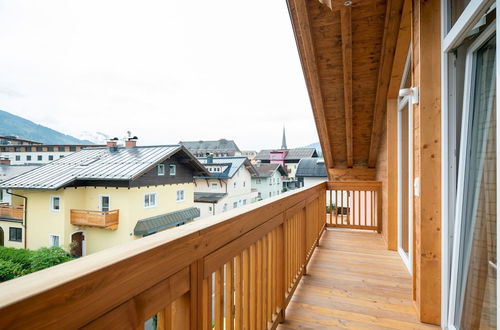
(426, 63)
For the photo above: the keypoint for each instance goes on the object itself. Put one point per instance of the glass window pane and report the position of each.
(476, 290)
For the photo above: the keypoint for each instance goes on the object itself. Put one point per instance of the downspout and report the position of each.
(25, 218)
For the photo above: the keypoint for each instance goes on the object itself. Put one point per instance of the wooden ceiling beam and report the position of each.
(346, 32)
(391, 29)
(302, 30)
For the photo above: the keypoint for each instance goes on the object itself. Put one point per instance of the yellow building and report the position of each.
(101, 197)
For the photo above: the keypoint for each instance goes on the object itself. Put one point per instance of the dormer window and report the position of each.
(172, 169)
(161, 169)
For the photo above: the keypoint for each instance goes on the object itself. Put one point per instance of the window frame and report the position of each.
(52, 198)
(160, 170)
(16, 229)
(462, 174)
(183, 195)
(149, 194)
(51, 236)
(101, 196)
(172, 170)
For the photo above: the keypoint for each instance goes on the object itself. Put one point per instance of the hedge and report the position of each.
(18, 262)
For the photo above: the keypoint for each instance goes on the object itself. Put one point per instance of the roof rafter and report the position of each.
(301, 26)
(346, 32)
(391, 30)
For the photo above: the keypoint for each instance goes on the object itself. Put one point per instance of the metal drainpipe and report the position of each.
(25, 220)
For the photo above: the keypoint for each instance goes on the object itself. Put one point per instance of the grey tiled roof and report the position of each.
(218, 145)
(158, 223)
(97, 164)
(205, 197)
(311, 167)
(293, 154)
(233, 163)
(266, 170)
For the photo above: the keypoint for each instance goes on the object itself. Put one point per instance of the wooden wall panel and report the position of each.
(392, 175)
(382, 175)
(426, 44)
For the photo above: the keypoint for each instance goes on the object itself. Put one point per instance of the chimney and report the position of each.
(4, 161)
(131, 142)
(210, 159)
(112, 143)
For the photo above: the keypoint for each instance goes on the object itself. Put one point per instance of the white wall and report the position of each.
(268, 187)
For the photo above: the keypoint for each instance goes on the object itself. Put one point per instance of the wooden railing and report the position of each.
(355, 205)
(11, 211)
(235, 270)
(101, 219)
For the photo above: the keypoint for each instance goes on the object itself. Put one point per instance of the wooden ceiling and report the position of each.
(347, 50)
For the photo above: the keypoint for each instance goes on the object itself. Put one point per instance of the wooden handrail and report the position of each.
(261, 249)
(100, 219)
(354, 204)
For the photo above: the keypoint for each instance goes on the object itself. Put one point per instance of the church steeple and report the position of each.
(283, 141)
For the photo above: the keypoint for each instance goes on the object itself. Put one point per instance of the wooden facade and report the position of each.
(99, 219)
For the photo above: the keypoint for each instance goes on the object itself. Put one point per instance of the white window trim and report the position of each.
(183, 196)
(100, 202)
(162, 173)
(468, 86)
(52, 203)
(144, 200)
(50, 240)
(170, 167)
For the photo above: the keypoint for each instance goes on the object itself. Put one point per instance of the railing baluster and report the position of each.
(229, 296)
(246, 288)
(238, 293)
(219, 299)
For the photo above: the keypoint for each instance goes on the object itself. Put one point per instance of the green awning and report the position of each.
(158, 223)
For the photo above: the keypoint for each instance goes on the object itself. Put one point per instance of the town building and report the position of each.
(228, 186)
(288, 158)
(311, 171)
(24, 152)
(101, 197)
(7, 172)
(269, 181)
(219, 148)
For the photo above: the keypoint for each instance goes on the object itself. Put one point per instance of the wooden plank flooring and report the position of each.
(353, 282)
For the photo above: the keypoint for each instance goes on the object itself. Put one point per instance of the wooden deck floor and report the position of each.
(353, 282)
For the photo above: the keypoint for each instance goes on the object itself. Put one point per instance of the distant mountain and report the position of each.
(12, 125)
(317, 146)
(94, 137)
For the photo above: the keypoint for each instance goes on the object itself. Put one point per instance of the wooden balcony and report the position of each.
(11, 211)
(236, 270)
(100, 219)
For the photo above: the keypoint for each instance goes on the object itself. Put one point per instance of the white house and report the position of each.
(269, 181)
(229, 186)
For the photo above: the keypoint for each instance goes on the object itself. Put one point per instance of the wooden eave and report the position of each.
(347, 54)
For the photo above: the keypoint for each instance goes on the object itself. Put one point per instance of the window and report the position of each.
(61, 156)
(258, 181)
(51, 157)
(244, 202)
(150, 200)
(209, 209)
(234, 185)
(180, 195)
(244, 183)
(53, 240)
(104, 203)
(235, 205)
(72, 148)
(172, 169)
(224, 209)
(60, 148)
(214, 186)
(474, 266)
(161, 169)
(28, 149)
(39, 148)
(28, 157)
(17, 149)
(15, 234)
(39, 157)
(18, 158)
(55, 203)
(50, 148)
(270, 182)
(270, 194)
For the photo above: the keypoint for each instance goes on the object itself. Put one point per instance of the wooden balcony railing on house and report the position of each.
(12, 211)
(238, 269)
(355, 205)
(101, 219)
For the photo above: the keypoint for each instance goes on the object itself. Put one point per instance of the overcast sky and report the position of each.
(167, 70)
